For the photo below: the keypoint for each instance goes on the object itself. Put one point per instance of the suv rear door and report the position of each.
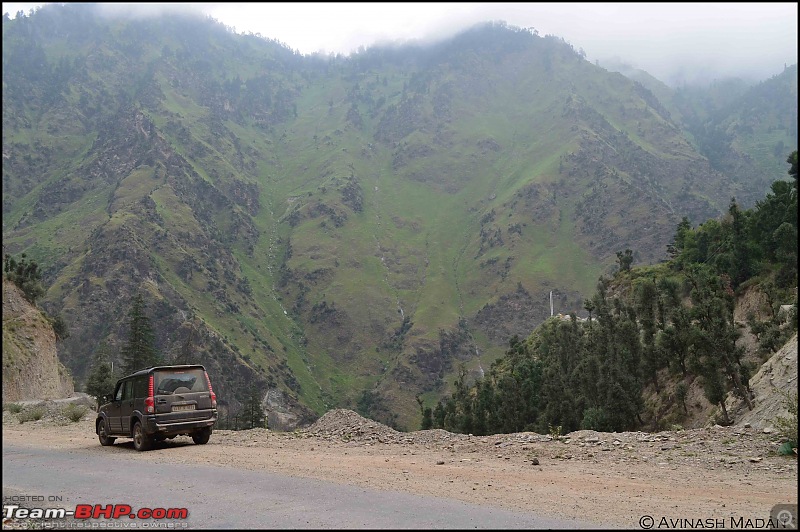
(182, 394)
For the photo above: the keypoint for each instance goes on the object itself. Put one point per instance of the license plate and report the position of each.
(182, 408)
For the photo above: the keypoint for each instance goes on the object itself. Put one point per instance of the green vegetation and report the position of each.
(25, 274)
(101, 379)
(33, 413)
(140, 352)
(676, 317)
(74, 412)
(251, 415)
(720, 118)
(14, 408)
(787, 425)
(344, 230)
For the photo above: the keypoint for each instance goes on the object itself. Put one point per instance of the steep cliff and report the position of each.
(31, 369)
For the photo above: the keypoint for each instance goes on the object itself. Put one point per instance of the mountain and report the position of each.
(743, 129)
(745, 133)
(338, 231)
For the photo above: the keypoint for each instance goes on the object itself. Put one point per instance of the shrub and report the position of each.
(74, 412)
(787, 449)
(32, 414)
(595, 419)
(14, 408)
(787, 425)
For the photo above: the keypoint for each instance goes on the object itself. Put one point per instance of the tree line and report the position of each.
(646, 324)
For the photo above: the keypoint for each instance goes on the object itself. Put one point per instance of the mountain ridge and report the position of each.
(337, 230)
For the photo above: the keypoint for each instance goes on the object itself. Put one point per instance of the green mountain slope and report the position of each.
(341, 231)
(746, 137)
(744, 130)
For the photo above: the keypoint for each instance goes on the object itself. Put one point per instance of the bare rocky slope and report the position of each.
(31, 369)
(776, 378)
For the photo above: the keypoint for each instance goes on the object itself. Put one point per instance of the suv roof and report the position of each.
(154, 368)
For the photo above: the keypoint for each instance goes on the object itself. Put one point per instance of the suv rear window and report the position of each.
(168, 381)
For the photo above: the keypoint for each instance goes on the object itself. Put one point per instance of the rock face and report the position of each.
(31, 369)
(278, 410)
(776, 377)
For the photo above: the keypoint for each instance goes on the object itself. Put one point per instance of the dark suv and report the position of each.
(158, 403)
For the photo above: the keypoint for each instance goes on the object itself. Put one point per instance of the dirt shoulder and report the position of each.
(610, 478)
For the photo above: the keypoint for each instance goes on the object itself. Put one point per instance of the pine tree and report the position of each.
(438, 415)
(741, 268)
(714, 353)
(647, 304)
(140, 352)
(427, 414)
(558, 348)
(625, 260)
(252, 412)
(101, 379)
(675, 340)
(427, 418)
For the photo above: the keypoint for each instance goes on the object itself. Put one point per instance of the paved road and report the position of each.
(218, 497)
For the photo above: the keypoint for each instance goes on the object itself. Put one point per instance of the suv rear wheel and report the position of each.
(141, 441)
(102, 434)
(202, 436)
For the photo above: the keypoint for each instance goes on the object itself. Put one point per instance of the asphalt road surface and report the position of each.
(218, 497)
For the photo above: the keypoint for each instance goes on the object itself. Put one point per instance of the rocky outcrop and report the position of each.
(280, 415)
(31, 369)
(776, 378)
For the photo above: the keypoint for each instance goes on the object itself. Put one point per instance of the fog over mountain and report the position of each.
(678, 43)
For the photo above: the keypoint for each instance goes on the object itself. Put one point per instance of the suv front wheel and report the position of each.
(141, 441)
(202, 436)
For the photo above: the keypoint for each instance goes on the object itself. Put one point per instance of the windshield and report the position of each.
(180, 381)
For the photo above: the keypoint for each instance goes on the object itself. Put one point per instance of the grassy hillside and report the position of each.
(346, 230)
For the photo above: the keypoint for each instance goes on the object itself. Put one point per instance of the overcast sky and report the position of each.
(673, 41)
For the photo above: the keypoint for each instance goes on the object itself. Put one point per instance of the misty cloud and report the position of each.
(675, 42)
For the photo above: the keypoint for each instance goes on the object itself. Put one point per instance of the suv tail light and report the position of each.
(211, 390)
(149, 402)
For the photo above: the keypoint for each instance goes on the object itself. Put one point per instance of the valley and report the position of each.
(343, 232)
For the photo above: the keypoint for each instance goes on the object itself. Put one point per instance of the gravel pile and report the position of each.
(709, 447)
(436, 437)
(346, 425)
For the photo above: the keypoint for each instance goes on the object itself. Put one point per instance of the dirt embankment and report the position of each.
(774, 381)
(31, 369)
(610, 478)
